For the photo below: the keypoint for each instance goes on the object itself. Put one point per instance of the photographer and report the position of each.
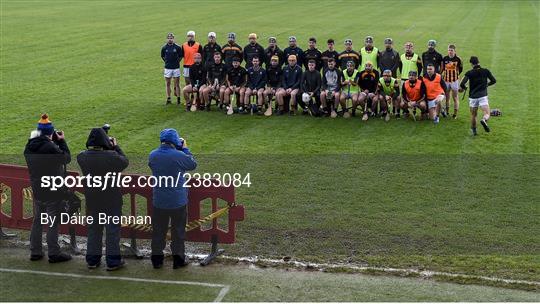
(103, 155)
(46, 154)
(172, 158)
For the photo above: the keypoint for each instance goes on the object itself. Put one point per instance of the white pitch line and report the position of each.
(424, 273)
(224, 289)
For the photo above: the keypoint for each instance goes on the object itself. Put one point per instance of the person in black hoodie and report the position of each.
(46, 154)
(311, 89)
(103, 156)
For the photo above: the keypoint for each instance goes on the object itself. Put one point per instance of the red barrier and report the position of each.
(17, 178)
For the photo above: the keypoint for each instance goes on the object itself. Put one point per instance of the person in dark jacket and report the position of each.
(171, 158)
(171, 54)
(215, 81)
(368, 81)
(312, 53)
(46, 154)
(290, 84)
(256, 82)
(478, 95)
(210, 49)
(271, 51)
(329, 53)
(311, 88)
(389, 58)
(231, 50)
(102, 158)
(293, 49)
(330, 88)
(273, 75)
(197, 78)
(347, 55)
(236, 84)
(252, 50)
(431, 56)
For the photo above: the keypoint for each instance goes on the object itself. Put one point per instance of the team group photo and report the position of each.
(374, 83)
(274, 151)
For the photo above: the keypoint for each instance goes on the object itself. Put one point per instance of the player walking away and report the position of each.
(409, 61)
(189, 48)
(349, 54)
(433, 57)
(197, 78)
(452, 68)
(311, 88)
(290, 84)
(171, 53)
(349, 88)
(435, 87)
(210, 49)
(329, 53)
(231, 50)
(236, 84)
(215, 82)
(388, 91)
(478, 96)
(367, 98)
(252, 50)
(256, 82)
(274, 74)
(369, 53)
(293, 49)
(331, 81)
(389, 58)
(271, 51)
(312, 53)
(413, 95)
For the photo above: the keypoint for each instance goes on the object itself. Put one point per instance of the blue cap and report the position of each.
(170, 136)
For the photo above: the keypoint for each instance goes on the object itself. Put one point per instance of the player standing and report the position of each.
(189, 48)
(329, 53)
(312, 53)
(171, 53)
(409, 61)
(210, 49)
(271, 51)
(433, 57)
(369, 53)
(452, 68)
(293, 49)
(252, 50)
(347, 55)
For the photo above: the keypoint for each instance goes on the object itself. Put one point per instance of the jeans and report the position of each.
(52, 209)
(112, 236)
(160, 225)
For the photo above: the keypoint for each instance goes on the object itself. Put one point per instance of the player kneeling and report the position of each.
(256, 81)
(331, 80)
(388, 93)
(413, 93)
(236, 81)
(435, 88)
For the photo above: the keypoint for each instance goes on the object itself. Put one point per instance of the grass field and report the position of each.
(396, 194)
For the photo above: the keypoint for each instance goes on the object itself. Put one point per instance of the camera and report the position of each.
(55, 135)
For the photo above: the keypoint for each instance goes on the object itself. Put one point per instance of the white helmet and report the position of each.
(305, 97)
(211, 34)
(191, 33)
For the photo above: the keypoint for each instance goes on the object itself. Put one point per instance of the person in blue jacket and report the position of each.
(171, 159)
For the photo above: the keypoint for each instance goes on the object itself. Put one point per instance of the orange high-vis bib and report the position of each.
(189, 53)
(414, 93)
(433, 87)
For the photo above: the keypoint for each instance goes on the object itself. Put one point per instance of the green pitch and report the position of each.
(397, 194)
